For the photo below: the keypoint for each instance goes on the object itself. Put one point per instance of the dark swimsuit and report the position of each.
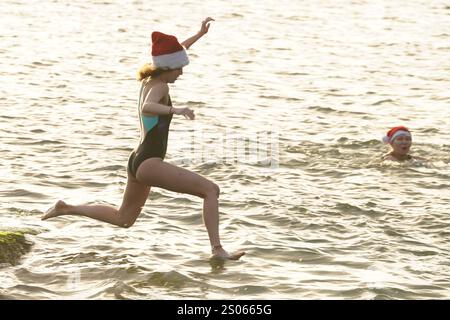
(154, 135)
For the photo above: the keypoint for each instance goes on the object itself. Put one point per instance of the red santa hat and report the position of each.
(396, 132)
(167, 52)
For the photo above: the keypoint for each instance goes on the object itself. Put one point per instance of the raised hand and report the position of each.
(203, 30)
(205, 25)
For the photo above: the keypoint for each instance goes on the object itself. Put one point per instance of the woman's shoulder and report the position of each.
(158, 85)
(387, 156)
(157, 89)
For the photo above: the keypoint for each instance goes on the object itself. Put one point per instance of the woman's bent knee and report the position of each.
(216, 189)
(212, 190)
(127, 219)
(125, 224)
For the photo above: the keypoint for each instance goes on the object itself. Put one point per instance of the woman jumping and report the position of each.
(146, 165)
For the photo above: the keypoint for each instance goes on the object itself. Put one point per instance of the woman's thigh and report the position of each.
(134, 198)
(155, 172)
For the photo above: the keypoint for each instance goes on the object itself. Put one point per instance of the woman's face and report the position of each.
(401, 145)
(173, 75)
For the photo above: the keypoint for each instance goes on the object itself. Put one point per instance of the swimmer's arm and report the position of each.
(203, 30)
(151, 106)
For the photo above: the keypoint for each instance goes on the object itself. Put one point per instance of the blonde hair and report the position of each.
(149, 70)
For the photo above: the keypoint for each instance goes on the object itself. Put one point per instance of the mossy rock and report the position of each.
(13, 245)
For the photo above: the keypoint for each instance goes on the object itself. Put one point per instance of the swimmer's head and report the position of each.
(168, 59)
(399, 138)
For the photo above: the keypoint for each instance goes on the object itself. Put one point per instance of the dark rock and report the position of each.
(13, 245)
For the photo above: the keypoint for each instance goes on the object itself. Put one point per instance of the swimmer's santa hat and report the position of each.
(167, 52)
(396, 132)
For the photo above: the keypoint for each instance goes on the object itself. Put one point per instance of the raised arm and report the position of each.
(203, 30)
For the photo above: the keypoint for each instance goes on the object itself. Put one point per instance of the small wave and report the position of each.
(411, 164)
(282, 49)
(27, 289)
(429, 130)
(82, 257)
(294, 163)
(41, 64)
(95, 184)
(190, 219)
(420, 253)
(195, 103)
(348, 208)
(380, 102)
(9, 117)
(293, 99)
(298, 209)
(322, 109)
(250, 289)
(292, 73)
(392, 293)
(303, 255)
(22, 193)
(172, 279)
(108, 168)
(331, 110)
(121, 290)
(270, 97)
(357, 144)
(24, 212)
(42, 142)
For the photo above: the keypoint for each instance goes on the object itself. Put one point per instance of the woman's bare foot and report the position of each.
(58, 209)
(219, 253)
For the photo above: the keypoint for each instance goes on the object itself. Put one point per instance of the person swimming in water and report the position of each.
(146, 166)
(400, 140)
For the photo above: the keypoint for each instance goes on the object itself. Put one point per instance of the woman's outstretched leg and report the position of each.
(134, 199)
(158, 173)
